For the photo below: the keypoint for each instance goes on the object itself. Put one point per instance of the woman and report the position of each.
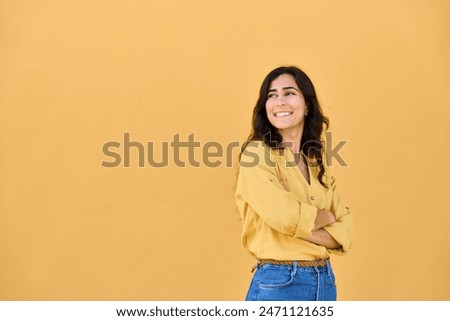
(293, 218)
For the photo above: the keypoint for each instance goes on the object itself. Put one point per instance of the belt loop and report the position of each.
(328, 267)
(294, 268)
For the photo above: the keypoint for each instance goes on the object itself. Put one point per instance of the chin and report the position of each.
(283, 126)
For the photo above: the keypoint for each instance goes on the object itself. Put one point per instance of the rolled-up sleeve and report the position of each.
(342, 229)
(258, 186)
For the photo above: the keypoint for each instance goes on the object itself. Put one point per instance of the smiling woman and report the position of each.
(285, 106)
(293, 217)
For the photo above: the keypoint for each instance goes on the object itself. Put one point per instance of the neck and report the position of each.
(292, 139)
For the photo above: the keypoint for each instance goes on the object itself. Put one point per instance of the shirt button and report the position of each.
(312, 198)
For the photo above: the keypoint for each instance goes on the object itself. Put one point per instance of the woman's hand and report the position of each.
(323, 218)
(322, 237)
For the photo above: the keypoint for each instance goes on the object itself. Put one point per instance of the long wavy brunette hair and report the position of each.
(315, 121)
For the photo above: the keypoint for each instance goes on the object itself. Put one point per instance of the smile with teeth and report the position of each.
(283, 113)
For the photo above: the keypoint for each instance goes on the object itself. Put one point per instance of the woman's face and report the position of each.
(285, 105)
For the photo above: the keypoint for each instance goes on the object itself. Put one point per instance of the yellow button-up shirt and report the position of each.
(278, 206)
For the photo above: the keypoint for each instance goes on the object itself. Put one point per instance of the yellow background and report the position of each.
(77, 74)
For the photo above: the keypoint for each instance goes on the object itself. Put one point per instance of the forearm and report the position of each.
(322, 237)
(323, 218)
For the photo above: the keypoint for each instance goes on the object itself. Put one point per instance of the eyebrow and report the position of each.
(285, 88)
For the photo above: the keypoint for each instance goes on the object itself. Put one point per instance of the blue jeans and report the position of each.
(292, 283)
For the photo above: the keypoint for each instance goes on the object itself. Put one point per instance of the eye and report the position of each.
(272, 95)
(290, 93)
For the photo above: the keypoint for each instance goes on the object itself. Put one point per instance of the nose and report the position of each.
(280, 101)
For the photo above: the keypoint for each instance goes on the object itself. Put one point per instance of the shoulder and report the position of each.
(257, 153)
(329, 178)
(255, 146)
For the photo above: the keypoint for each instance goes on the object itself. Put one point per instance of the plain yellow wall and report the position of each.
(77, 74)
